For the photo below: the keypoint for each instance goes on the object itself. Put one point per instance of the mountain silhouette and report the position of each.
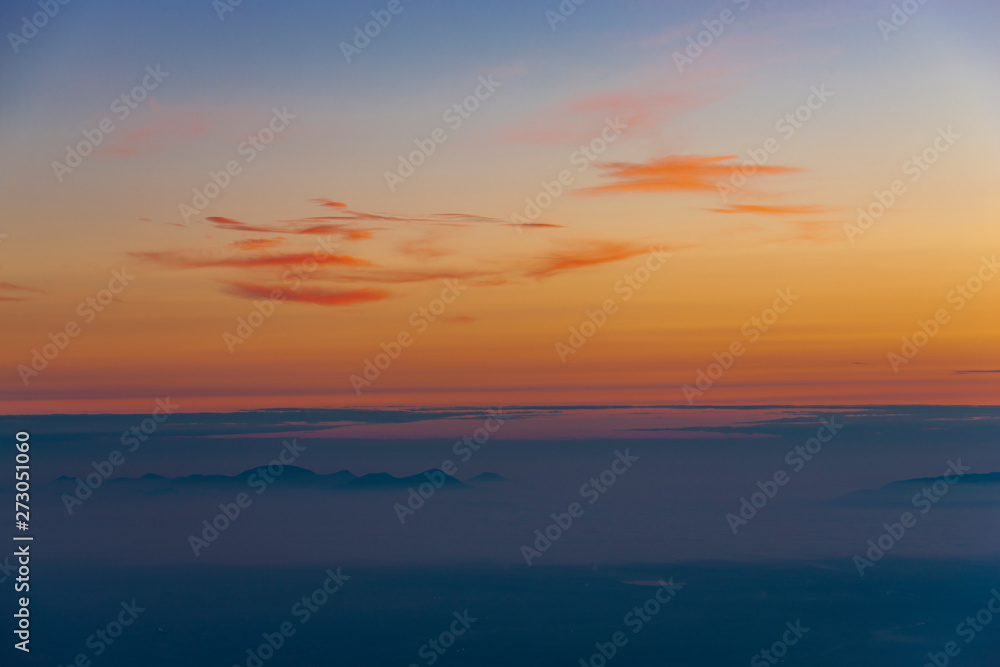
(489, 477)
(290, 477)
(380, 480)
(969, 489)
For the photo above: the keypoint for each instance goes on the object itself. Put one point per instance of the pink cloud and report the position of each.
(319, 297)
(155, 129)
(577, 121)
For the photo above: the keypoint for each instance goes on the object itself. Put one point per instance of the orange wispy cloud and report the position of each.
(581, 255)
(675, 173)
(11, 287)
(257, 244)
(346, 232)
(227, 221)
(578, 121)
(480, 278)
(764, 209)
(346, 214)
(345, 222)
(182, 261)
(537, 225)
(816, 230)
(318, 297)
(246, 256)
(158, 129)
(425, 248)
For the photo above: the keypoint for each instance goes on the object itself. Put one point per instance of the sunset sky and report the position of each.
(662, 133)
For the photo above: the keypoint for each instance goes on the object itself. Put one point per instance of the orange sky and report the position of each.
(626, 159)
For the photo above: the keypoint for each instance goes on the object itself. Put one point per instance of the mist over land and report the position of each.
(501, 537)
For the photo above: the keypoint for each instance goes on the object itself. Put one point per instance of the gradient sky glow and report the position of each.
(655, 186)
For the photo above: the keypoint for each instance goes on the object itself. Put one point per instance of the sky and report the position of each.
(253, 228)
